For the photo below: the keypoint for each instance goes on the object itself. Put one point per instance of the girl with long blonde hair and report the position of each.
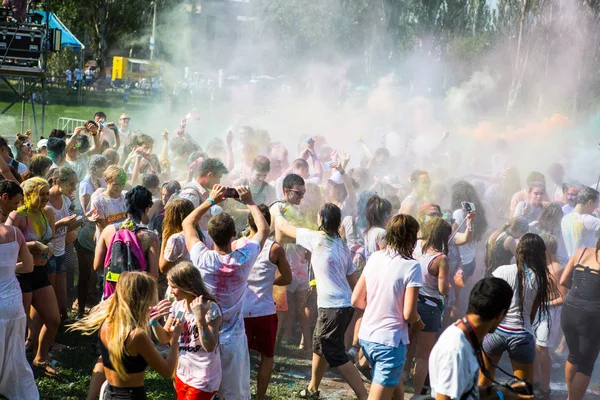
(37, 224)
(123, 324)
(199, 369)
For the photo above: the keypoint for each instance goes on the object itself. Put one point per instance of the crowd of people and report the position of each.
(189, 258)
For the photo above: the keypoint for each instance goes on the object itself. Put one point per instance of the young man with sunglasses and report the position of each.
(456, 359)
(293, 193)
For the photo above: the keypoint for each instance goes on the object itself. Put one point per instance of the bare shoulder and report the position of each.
(147, 237)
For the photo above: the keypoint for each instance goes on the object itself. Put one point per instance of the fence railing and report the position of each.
(69, 124)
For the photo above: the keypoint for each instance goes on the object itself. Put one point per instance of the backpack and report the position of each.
(124, 254)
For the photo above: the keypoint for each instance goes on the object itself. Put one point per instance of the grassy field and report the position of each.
(62, 105)
(292, 373)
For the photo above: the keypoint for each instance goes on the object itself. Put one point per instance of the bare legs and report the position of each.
(348, 372)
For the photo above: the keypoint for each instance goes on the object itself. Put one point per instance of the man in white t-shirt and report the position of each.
(454, 364)
(335, 278)
(580, 228)
(300, 167)
(225, 274)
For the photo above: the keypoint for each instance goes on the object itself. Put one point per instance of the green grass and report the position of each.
(62, 105)
(292, 373)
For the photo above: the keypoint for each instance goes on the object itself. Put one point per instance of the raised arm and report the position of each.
(230, 161)
(261, 224)
(317, 166)
(191, 221)
(284, 227)
(465, 237)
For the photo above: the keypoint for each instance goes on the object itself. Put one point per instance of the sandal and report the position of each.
(365, 371)
(306, 394)
(49, 367)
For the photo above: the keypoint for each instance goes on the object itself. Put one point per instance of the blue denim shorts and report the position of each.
(520, 346)
(387, 362)
(56, 265)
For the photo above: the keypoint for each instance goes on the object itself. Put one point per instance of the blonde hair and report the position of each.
(31, 190)
(115, 174)
(126, 310)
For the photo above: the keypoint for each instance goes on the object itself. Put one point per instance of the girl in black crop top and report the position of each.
(580, 318)
(123, 324)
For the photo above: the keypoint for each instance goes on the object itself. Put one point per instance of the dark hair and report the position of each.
(265, 212)
(435, 234)
(535, 176)
(464, 191)
(401, 235)
(292, 179)
(181, 146)
(586, 194)
(550, 218)
(382, 152)
(489, 298)
(56, 147)
(100, 114)
(137, 199)
(84, 143)
(531, 253)
(221, 229)
(150, 180)
(58, 133)
(376, 211)
(261, 164)
(38, 166)
(3, 142)
(172, 187)
(331, 219)
(10, 188)
(213, 165)
(517, 224)
(361, 207)
(414, 177)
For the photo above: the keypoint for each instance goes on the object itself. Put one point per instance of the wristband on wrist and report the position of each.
(500, 395)
(211, 201)
(342, 171)
(153, 323)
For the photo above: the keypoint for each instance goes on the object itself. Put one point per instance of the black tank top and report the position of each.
(585, 289)
(501, 255)
(132, 364)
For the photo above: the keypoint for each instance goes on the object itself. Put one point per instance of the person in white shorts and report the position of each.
(225, 274)
(547, 330)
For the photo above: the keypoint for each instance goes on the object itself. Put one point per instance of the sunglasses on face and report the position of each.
(299, 192)
(125, 119)
(27, 144)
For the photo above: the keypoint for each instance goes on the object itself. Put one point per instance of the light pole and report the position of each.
(152, 38)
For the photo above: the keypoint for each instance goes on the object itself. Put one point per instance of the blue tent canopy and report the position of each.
(67, 38)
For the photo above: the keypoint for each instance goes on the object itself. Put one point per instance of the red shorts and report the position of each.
(262, 334)
(186, 392)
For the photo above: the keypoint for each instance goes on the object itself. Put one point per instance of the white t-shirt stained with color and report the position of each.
(196, 367)
(332, 263)
(579, 231)
(61, 233)
(453, 367)
(387, 275)
(226, 278)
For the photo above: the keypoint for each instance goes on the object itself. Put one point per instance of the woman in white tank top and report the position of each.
(435, 269)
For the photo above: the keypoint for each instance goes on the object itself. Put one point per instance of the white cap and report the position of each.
(42, 143)
(337, 178)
